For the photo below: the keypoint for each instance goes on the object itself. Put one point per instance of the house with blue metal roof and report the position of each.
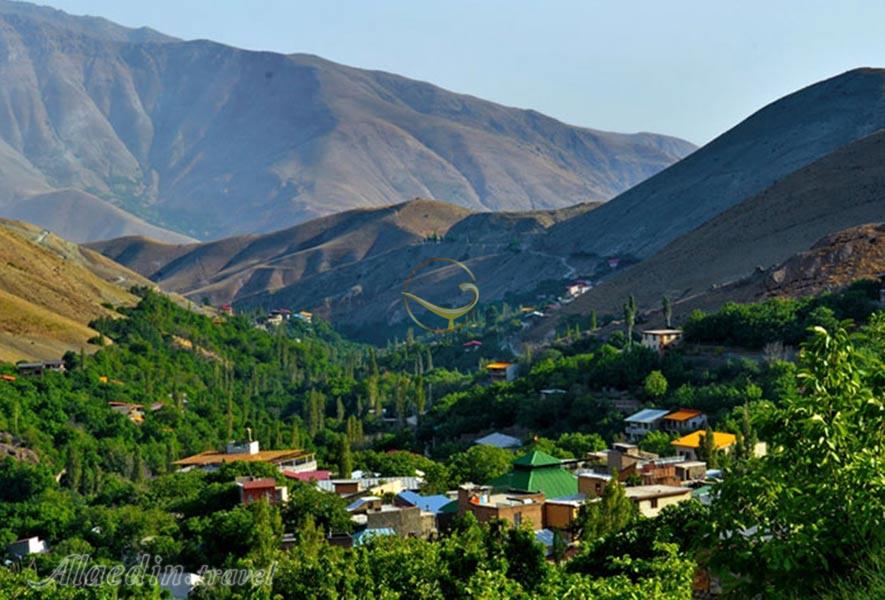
(647, 419)
(431, 504)
(499, 440)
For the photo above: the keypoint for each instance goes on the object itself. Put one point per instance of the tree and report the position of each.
(345, 460)
(594, 321)
(707, 450)
(630, 319)
(667, 307)
(658, 442)
(480, 464)
(611, 514)
(811, 510)
(655, 385)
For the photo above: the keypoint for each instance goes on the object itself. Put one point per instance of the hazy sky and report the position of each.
(686, 68)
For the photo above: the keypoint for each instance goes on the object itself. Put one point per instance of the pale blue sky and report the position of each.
(686, 68)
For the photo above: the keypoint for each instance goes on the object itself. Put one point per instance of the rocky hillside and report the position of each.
(210, 140)
(844, 189)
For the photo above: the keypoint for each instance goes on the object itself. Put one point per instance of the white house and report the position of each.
(661, 339)
(641, 423)
(27, 546)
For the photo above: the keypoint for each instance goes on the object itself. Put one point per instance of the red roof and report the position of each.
(258, 484)
(308, 475)
(472, 343)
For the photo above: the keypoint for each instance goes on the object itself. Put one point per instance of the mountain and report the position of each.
(209, 140)
(843, 189)
(51, 289)
(779, 139)
(350, 266)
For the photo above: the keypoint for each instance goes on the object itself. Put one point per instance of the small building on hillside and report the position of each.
(550, 393)
(502, 371)
(38, 368)
(683, 420)
(687, 446)
(27, 546)
(293, 459)
(661, 339)
(253, 489)
(308, 476)
(304, 316)
(226, 309)
(639, 424)
(651, 499)
(499, 440)
(134, 412)
(432, 504)
(471, 346)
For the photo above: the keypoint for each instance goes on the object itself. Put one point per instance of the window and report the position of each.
(517, 519)
(654, 502)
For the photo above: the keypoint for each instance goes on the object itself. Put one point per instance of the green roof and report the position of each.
(538, 472)
(536, 459)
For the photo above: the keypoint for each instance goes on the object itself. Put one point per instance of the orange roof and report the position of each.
(683, 414)
(212, 457)
(693, 440)
(498, 365)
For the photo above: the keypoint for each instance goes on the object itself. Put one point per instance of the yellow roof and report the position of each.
(212, 457)
(693, 440)
(498, 365)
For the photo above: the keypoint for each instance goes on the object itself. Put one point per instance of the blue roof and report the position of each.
(361, 537)
(432, 504)
(499, 440)
(647, 415)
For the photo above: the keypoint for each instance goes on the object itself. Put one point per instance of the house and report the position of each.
(178, 583)
(38, 368)
(406, 521)
(502, 371)
(561, 513)
(613, 262)
(293, 459)
(308, 476)
(660, 339)
(659, 472)
(514, 508)
(577, 288)
(253, 489)
(274, 320)
(687, 446)
(549, 393)
(499, 440)
(537, 473)
(377, 486)
(471, 346)
(134, 412)
(691, 470)
(26, 547)
(683, 420)
(304, 316)
(651, 499)
(432, 504)
(226, 309)
(639, 424)
(592, 484)
(364, 536)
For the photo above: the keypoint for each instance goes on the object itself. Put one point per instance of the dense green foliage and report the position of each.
(780, 320)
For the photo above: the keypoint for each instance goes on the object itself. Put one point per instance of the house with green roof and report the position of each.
(538, 472)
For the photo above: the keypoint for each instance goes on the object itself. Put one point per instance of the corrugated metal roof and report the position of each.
(647, 415)
(499, 440)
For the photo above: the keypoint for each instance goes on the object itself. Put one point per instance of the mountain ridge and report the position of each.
(213, 141)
